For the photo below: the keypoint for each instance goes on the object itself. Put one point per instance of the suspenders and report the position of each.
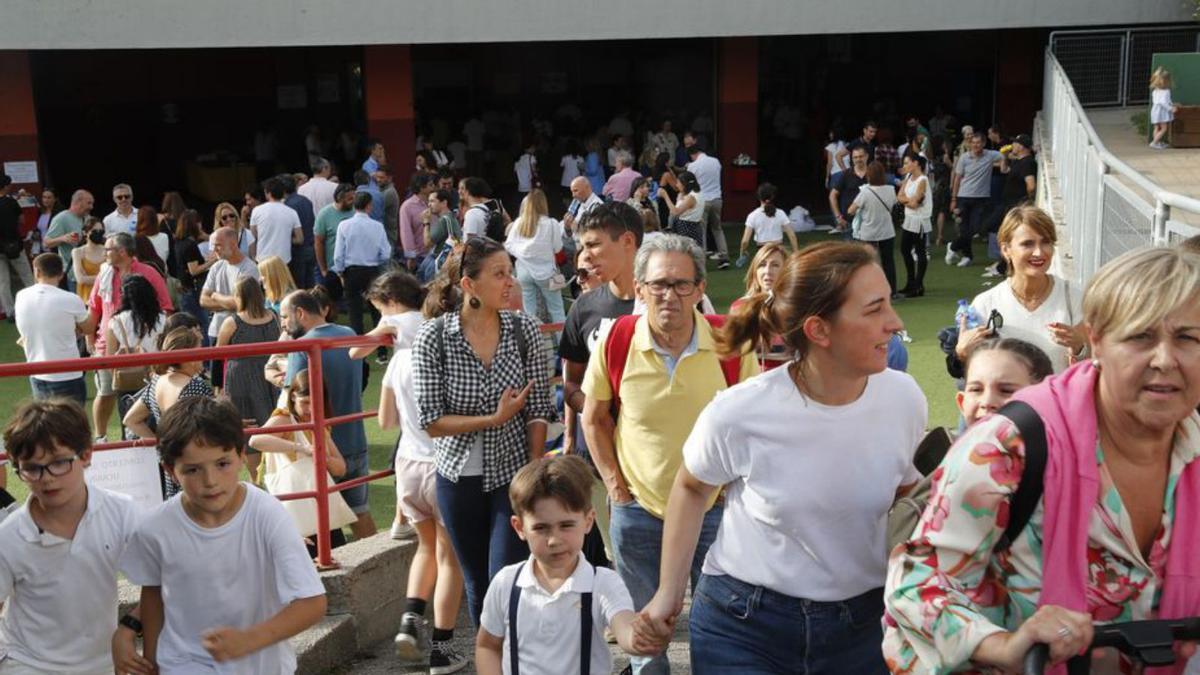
(585, 629)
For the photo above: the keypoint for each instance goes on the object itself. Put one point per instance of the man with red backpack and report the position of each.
(645, 386)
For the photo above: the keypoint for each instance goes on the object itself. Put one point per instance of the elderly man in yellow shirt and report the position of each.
(671, 372)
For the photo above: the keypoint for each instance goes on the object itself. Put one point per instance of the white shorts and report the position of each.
(10, 667)
(416, 490)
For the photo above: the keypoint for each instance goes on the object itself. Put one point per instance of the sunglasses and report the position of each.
(228, 216)
(122, 197)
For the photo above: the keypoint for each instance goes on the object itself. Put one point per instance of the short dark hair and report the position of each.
(477, 187)
(361, 177)
(5, 180)
(362, 201)
(256, 191)
(274, 187)
(213, 422)
(49, 265)
(385, 169)
(869, 124)
(615, 218)
(442, 195)
(304, 300)
(342, 189)
(566, 478)
(287, 181)
(918, 159)
(397, 286)
(42, 424)
(419, 181)
(694, 150)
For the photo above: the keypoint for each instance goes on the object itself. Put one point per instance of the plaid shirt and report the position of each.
(451, 380)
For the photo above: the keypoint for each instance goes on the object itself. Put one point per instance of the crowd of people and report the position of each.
(752, 458)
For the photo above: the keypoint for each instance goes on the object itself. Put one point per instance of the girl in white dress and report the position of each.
(1162, 109)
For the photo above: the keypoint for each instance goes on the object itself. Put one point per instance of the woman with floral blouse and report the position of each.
(1115, 536)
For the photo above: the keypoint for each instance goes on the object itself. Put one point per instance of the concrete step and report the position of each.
(327, 645)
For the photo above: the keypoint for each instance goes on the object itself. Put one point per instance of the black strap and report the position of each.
(1025, 500)
(585, 629)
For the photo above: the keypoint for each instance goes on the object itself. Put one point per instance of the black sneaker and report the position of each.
(445, 659)
(723, 264)
(408, 640)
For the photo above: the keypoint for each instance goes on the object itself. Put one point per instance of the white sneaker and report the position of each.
(951, 256)
(403, 531)
(965, 262)
(991, 274)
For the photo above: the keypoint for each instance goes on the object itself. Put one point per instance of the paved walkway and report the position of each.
(1174, 169)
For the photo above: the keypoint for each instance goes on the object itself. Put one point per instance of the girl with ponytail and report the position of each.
(811, 457)
(767, 224)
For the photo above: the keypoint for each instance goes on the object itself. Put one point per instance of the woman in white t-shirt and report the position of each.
(767, 224)
(572, 165)
(1034, 305)
(534, 238)
(917, 199)
(526, 169)
(873, 208)
(138, 321)
(834, 166)
(811, 457)
(688, 209)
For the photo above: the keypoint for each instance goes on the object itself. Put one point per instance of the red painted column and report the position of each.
(737, 122)
(18, 122)
(388, 90)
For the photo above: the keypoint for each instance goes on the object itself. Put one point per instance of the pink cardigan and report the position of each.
(1067, 406)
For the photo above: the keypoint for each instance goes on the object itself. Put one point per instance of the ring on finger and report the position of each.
(1064, 631)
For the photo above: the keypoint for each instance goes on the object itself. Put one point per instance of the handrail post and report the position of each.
(1162, 213)
(316, 392)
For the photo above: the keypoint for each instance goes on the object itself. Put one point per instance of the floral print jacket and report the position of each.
(947, 591)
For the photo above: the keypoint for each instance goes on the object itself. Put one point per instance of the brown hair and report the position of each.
(248, 293)
(876, 174)
(1037, 220)
(760, 258)
(300, 387)
(566, 478)
(466, 260)
(147, 222)
(1032, 357)
(813, 283)
(45, 423)
(179, 338)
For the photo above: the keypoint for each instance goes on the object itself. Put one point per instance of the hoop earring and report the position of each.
(473, 302)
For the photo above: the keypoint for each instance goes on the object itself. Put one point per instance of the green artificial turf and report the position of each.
(923, 318)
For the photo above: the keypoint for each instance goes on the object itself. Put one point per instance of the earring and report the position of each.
(474, 303)
(1096, 364)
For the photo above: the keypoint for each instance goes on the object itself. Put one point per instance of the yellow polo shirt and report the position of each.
(658, 409)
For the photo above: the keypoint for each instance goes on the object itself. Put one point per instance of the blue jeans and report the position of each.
(740, 629)
(356, 497)
(637, 552)
(479, 526)
(532, 289)
(189, 302)
(75, 390)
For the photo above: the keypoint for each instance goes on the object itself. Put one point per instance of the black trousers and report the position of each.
(357, 279)
(911, 242)
(887, 259)
(973, 210)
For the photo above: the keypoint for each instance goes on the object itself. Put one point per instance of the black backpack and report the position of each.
(495, 224)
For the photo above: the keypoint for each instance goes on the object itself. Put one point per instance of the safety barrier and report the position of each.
(312, 347)
(1102, 203)
(1110, 66)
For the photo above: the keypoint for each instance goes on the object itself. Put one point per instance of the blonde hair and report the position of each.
(533, 207)
(276, 278)
(225, 206)
(760, 258)
(1032, 217)
(1140, 288)
(1161, 79)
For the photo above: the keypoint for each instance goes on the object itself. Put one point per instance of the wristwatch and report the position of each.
(128, 621)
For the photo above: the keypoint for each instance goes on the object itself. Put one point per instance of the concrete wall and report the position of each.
(125, 24)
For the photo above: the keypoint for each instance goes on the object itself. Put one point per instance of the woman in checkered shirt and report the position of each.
(481, 375)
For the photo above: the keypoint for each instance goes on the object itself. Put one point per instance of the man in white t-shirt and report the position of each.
(319, 189)
(48, 319)
(124, 217)
(275, 225)
(707, 171)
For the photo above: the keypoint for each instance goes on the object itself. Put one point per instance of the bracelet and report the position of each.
(128, 621)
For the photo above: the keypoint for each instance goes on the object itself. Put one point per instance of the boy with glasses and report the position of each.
(58, 564)
(124, 217)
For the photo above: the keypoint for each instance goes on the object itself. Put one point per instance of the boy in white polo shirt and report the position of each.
(559, 603)
(58, 560)
(225, 577)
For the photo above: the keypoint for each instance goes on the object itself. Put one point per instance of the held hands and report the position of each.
(655, 624)
(226, 644)
(125, 656)
(511, 403)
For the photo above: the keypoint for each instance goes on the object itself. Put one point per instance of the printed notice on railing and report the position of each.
(129, 471)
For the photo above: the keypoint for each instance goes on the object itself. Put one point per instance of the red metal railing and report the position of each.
(312, 347)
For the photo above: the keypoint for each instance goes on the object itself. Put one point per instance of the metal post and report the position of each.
(1123, 76)
(1162, 213)
(316, 392)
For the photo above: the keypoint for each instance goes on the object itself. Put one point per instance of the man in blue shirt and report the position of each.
(342, 379)
(359, 249)
(303, 258)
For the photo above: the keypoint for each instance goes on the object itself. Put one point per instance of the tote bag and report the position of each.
(288, 472)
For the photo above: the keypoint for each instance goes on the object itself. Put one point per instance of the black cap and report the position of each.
(1024, 140)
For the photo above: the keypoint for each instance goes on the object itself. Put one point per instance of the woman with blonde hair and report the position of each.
(1112, 534)
(1162, 109)
(226, 215)
(765, 268)
(534, 239)
(277, 281)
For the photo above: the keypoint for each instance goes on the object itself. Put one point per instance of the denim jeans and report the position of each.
(973, 211)
(637, 552)
(189, 302)
(740, 629)
(479, 526)
(75, 389)
(532, 289)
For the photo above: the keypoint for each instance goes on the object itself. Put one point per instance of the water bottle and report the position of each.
(965, 309)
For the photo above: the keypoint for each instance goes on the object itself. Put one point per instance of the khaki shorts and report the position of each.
(416, 490)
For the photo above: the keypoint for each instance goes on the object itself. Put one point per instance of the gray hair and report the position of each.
(668, 243)
(125, 241)
(122, 186)
(624, 159)
(319, 165)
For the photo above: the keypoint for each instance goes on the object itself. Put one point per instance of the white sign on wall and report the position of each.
(22, 172)
(129, 471)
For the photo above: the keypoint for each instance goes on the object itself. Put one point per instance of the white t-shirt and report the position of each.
(837, 166)
(46, 319)
(1064, 305)
(876, 220)
(548, 623)
(808, 485)
(115, 222)
(708, 174)
(60, 595)
(767, 229)
(415, 443)
(475, 221)
(536, 253)
(273, 222)
(121, 324)
(525, 166)
(251, 568)
(570, 168)
(318, 190)
(162, 246)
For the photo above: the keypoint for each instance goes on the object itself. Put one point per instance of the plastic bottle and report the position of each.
(965, 309)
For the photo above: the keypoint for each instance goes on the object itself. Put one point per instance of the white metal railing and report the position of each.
(1088, 188)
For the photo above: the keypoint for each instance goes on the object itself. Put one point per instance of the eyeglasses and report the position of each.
(683, 287)
(122, 197)
(31, 473)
